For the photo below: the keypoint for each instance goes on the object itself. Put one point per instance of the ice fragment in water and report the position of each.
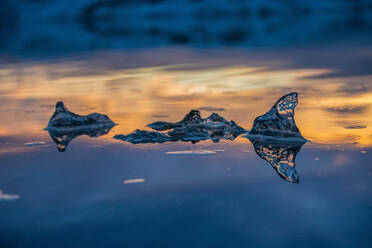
(64, 126)
(194, 152)
(279, 121)
(6, 197)
(35, 143)
(135, 180)
(191, 128)
(64, 120)
(140, 136)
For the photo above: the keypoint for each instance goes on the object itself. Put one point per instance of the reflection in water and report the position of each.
(173, 81)
(280, 155)
(64, 126)
(191, 128)
(62, 139)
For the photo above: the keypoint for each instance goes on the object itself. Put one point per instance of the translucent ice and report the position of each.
(191, 128)
(281, 156)
(279, 121)
(64, 120)
(64, 126)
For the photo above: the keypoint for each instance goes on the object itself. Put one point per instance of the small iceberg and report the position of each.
(134, 180)
(278, 122)
(65, 121)
(192, 128)
(141, 136)
(276, 138)
(7, 197)
(35, 143)
(64, 126)
(194, 152)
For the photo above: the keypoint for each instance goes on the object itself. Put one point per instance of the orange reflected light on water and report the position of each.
(131, 97)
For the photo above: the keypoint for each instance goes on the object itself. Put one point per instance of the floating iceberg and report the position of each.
(7, 197)
(135, 180)
(64, 126)
(194, 152)
(276, 138)
(63, 120)
(281, 156)
(278, 123)
(35, 143)
(191, 128)
(140, 136)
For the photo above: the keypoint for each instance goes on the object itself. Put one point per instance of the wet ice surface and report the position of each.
(229, 199)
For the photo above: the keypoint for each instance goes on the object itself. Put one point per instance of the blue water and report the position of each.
(230, 199)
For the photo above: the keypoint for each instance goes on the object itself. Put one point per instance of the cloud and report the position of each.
(347, 109)
(206, 108)
(355, 88)
(355, 127)
(160, 116)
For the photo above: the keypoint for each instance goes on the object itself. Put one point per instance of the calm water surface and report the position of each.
(232, 198)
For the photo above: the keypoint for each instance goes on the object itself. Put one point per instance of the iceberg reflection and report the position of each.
(62, 139)
(280, 155)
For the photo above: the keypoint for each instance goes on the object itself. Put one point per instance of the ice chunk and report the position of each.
(276, 138)
(280, 155)
(6, 197)
(65, 121)
(35, 143)
(194, 152)
(191, 128)
(135, 180)
(279, 121)
(140, 136)
(64, 126)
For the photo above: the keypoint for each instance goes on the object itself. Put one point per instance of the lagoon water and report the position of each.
(103, 192)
